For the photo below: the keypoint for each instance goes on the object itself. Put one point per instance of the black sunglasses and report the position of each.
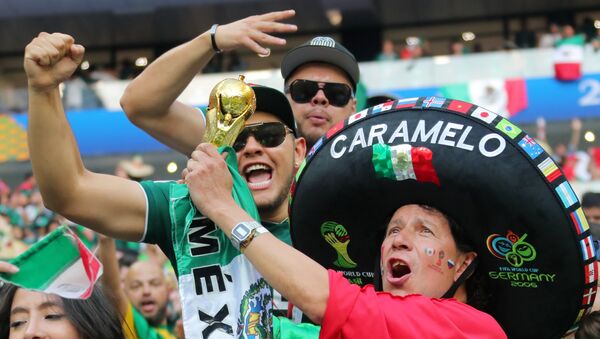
(268, 134)
(302, 91)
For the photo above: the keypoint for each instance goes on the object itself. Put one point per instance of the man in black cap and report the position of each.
(320, 82)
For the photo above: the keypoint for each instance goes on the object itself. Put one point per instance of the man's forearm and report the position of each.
(111, 280)
(297, 277)
(54, 154)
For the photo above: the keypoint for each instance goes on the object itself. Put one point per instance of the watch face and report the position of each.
(241, 231)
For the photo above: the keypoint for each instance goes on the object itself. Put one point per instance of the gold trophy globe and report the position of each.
(231, 103)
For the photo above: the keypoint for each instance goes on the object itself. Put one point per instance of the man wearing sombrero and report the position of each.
(440, 203)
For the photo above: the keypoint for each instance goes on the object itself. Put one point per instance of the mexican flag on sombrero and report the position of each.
(536, 258)
(59, 263)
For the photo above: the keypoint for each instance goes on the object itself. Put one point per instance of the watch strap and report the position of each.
(213, 40)
(254, 233)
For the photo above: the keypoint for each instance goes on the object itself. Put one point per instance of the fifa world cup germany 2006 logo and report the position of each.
(512, 248)
(337, 236)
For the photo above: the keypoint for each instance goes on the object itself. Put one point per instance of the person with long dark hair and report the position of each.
(25, 313)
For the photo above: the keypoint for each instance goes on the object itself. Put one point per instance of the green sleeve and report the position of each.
(284, 328)
(158, 220)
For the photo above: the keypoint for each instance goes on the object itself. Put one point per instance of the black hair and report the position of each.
(590, 200)
(589, 327)
(94, 318)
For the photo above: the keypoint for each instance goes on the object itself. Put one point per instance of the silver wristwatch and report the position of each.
(243, 233)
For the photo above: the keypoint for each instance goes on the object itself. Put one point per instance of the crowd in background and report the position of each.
(79, 94)
(24, 219)
(417, 47)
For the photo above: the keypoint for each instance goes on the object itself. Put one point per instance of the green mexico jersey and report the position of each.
(222, 294)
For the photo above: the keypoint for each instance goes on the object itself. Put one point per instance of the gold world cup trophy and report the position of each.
(231, 103)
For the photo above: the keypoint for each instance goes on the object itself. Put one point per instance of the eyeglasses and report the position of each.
(302, 91)
(268, 134)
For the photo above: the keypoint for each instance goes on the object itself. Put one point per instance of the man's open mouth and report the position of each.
(258, 176)
(398, 268)
(148, 305)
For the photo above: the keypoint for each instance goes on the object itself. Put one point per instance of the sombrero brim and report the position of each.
(526, 224)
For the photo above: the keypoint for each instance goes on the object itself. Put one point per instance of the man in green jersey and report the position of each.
(208, 266)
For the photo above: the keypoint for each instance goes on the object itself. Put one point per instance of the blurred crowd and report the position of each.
(578, 164)
(417, 47)
(145, 280)
(140, 277)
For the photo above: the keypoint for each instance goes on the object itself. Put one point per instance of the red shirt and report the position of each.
(355, 312)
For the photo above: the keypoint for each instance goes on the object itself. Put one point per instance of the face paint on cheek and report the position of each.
(436, 265)
(440, 257)
(451, 263)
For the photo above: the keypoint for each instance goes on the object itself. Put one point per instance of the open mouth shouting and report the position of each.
(258, 176)
(397, 272)
(148, 306)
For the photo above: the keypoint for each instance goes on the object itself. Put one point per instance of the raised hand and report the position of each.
(253, 32)
(51, 59)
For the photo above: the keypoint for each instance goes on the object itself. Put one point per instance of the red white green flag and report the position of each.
(402, 162)
(568, 56)
(505, 97)
(59, 263)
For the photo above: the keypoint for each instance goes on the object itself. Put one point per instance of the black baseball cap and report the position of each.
(321, 49)
(272, 101)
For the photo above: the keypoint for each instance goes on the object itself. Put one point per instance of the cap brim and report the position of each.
(272, 101)
(529, 231)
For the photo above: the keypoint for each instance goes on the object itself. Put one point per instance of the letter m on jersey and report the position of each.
(200, 242)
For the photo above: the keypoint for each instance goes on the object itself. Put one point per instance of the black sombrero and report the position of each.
(527, 225)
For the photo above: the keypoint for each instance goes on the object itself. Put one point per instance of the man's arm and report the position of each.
(150, 99)
(104, 203)
(111, 279)
(297, 277)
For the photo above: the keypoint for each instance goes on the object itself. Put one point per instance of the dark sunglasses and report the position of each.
(302, 91)
(268, 134)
